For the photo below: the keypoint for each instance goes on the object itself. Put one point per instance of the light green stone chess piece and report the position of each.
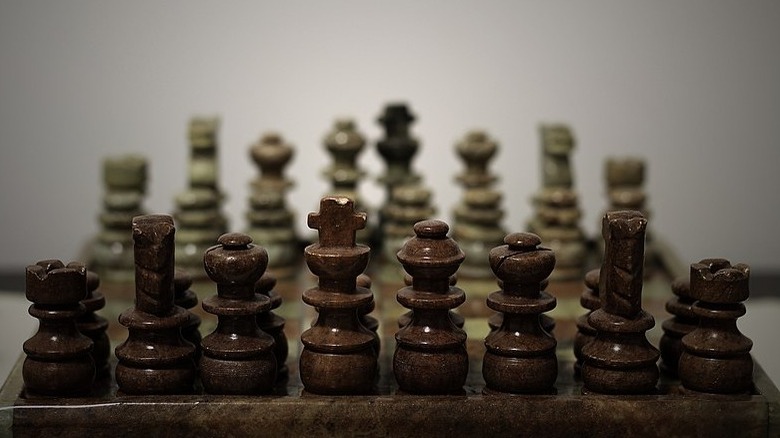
(199, 218)
(111, 254)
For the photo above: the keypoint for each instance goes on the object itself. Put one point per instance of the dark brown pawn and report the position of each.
(430, 355)
(585, 332)
(620, 360)
(680, 324)
(59, 361)
(155, 358)
(520, 357)
(338, 355)
(94, 326)
(237, 357)
(716, 356)
(187, 299)
(364, 312)
(456, 318)
(548, 322)
(273, 324)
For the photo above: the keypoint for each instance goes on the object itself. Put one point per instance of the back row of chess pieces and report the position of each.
(477, 218)
(247, 351)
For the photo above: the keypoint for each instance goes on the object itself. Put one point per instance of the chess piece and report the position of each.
(585, 332)
(338, 355)
(620, 360)
(204, 167)
(548, 322)
(272, 155)
(111, 254)
(199, 217)
(520, 356)
(476, 150)
(270, 221)
(557, 146)
(199, 225)
(154, 359)
(625, 178)
(430, 355)
(409, 205)
(94, 326)
(397, 148)
(456, 318)
(344, 143)
(187, 299)
(364, 313)
(557, 214)
(237, 357)
(682, 322)
(478, 217)
(273, 324)
(58, 361)
(477, 229)
(715, 356)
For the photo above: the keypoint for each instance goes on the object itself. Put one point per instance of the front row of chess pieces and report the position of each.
(247, 351)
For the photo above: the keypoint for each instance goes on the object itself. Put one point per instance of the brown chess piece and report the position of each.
(547, 321)
(585, 332)
(59, 361)
(456, 318)
(94, 326)
(430, 355)
(520, 356)
(273, 324)
(338, 355)
(715, 357)
(680, 324)
(237, 357)
(620, 360)
(186, 298)
(154, 359)
(364, 313)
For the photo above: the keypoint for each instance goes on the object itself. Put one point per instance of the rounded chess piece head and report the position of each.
(235, 261)
(431, 257)
(396, 115)
(521, 261)
(344, 140)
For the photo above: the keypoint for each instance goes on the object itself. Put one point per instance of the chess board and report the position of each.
(290, 411)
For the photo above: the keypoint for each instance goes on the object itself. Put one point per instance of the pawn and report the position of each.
(430, 355)
(237, 357)
(187, 299)
(715, 357)
(520, 357)
(585, 332)
(94, 326)
(456, 318)
(273, 324)
(680, 324)
(58, 361)
(547, 321)
(338, 355)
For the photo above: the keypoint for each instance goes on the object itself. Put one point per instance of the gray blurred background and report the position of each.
(691, 86)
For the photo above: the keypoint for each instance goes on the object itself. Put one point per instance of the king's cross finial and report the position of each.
(337, 221)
